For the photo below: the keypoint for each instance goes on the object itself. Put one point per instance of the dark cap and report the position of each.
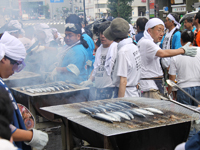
(119, 28)
(75, 28)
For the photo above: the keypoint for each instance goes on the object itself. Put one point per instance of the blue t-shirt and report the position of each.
(194, 28)
(139, 36)
(176, 42)
(17, 118)
(75, 60)
(90, 49)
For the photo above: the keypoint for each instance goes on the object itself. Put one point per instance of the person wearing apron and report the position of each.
(12, 55)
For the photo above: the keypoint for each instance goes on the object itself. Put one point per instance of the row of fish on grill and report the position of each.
(118, 111)
(53, 87)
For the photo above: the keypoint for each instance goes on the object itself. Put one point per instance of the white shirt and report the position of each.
(187, 69)
(166, 45)
(104, 61)
(128, 64)
(150, 63)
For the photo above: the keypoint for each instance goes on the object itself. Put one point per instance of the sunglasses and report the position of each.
(17, 65)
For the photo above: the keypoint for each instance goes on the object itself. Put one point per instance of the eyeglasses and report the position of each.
(161, 31)
(17, 65)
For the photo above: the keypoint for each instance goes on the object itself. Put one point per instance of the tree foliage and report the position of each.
(120, 8)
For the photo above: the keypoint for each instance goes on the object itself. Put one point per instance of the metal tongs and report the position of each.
(172, 84)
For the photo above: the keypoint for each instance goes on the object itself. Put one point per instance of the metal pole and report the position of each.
(84, 12)
(72, 6)
(172, 84)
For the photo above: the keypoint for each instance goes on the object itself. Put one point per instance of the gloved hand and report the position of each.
(39, 139)
(180, 147)
(89, 63)
(87, 83)
(189, 51)
(52, 76)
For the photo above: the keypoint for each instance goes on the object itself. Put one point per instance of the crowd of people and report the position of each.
(122, 62)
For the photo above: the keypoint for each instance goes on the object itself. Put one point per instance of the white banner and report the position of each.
(178, 1)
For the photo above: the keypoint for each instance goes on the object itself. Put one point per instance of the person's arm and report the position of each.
(61, 69)
(22, 135)
(122, 86)
(169, 52)
(171, 77)
(91, 77)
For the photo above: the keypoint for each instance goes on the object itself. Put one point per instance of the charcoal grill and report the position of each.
(34, 101)
(23, 78)
(157, 132)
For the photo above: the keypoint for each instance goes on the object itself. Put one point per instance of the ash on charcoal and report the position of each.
(55, 138)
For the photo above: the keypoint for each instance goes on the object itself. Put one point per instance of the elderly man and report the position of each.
(72, 65)
(151, 74)
(127, 69)
(188, 24)
(12, 55)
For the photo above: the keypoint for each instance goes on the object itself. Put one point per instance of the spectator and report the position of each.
(57, 37)
(140, 24)
(171, 39)
(196, 23)
(188, 24)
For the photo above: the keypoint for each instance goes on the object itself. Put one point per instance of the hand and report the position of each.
(189, 50)
(52, 76)
(39, 139)
(87, 83)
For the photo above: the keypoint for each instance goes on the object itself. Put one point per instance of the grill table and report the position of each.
(23, 78)
(154, 132)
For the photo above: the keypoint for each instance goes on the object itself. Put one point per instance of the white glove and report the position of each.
(89, 63)
(52, 76)
(87, 83)
(180, 147)
(189, 51)
(39, 139)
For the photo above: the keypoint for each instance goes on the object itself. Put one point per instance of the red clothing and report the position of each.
(197, 39)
